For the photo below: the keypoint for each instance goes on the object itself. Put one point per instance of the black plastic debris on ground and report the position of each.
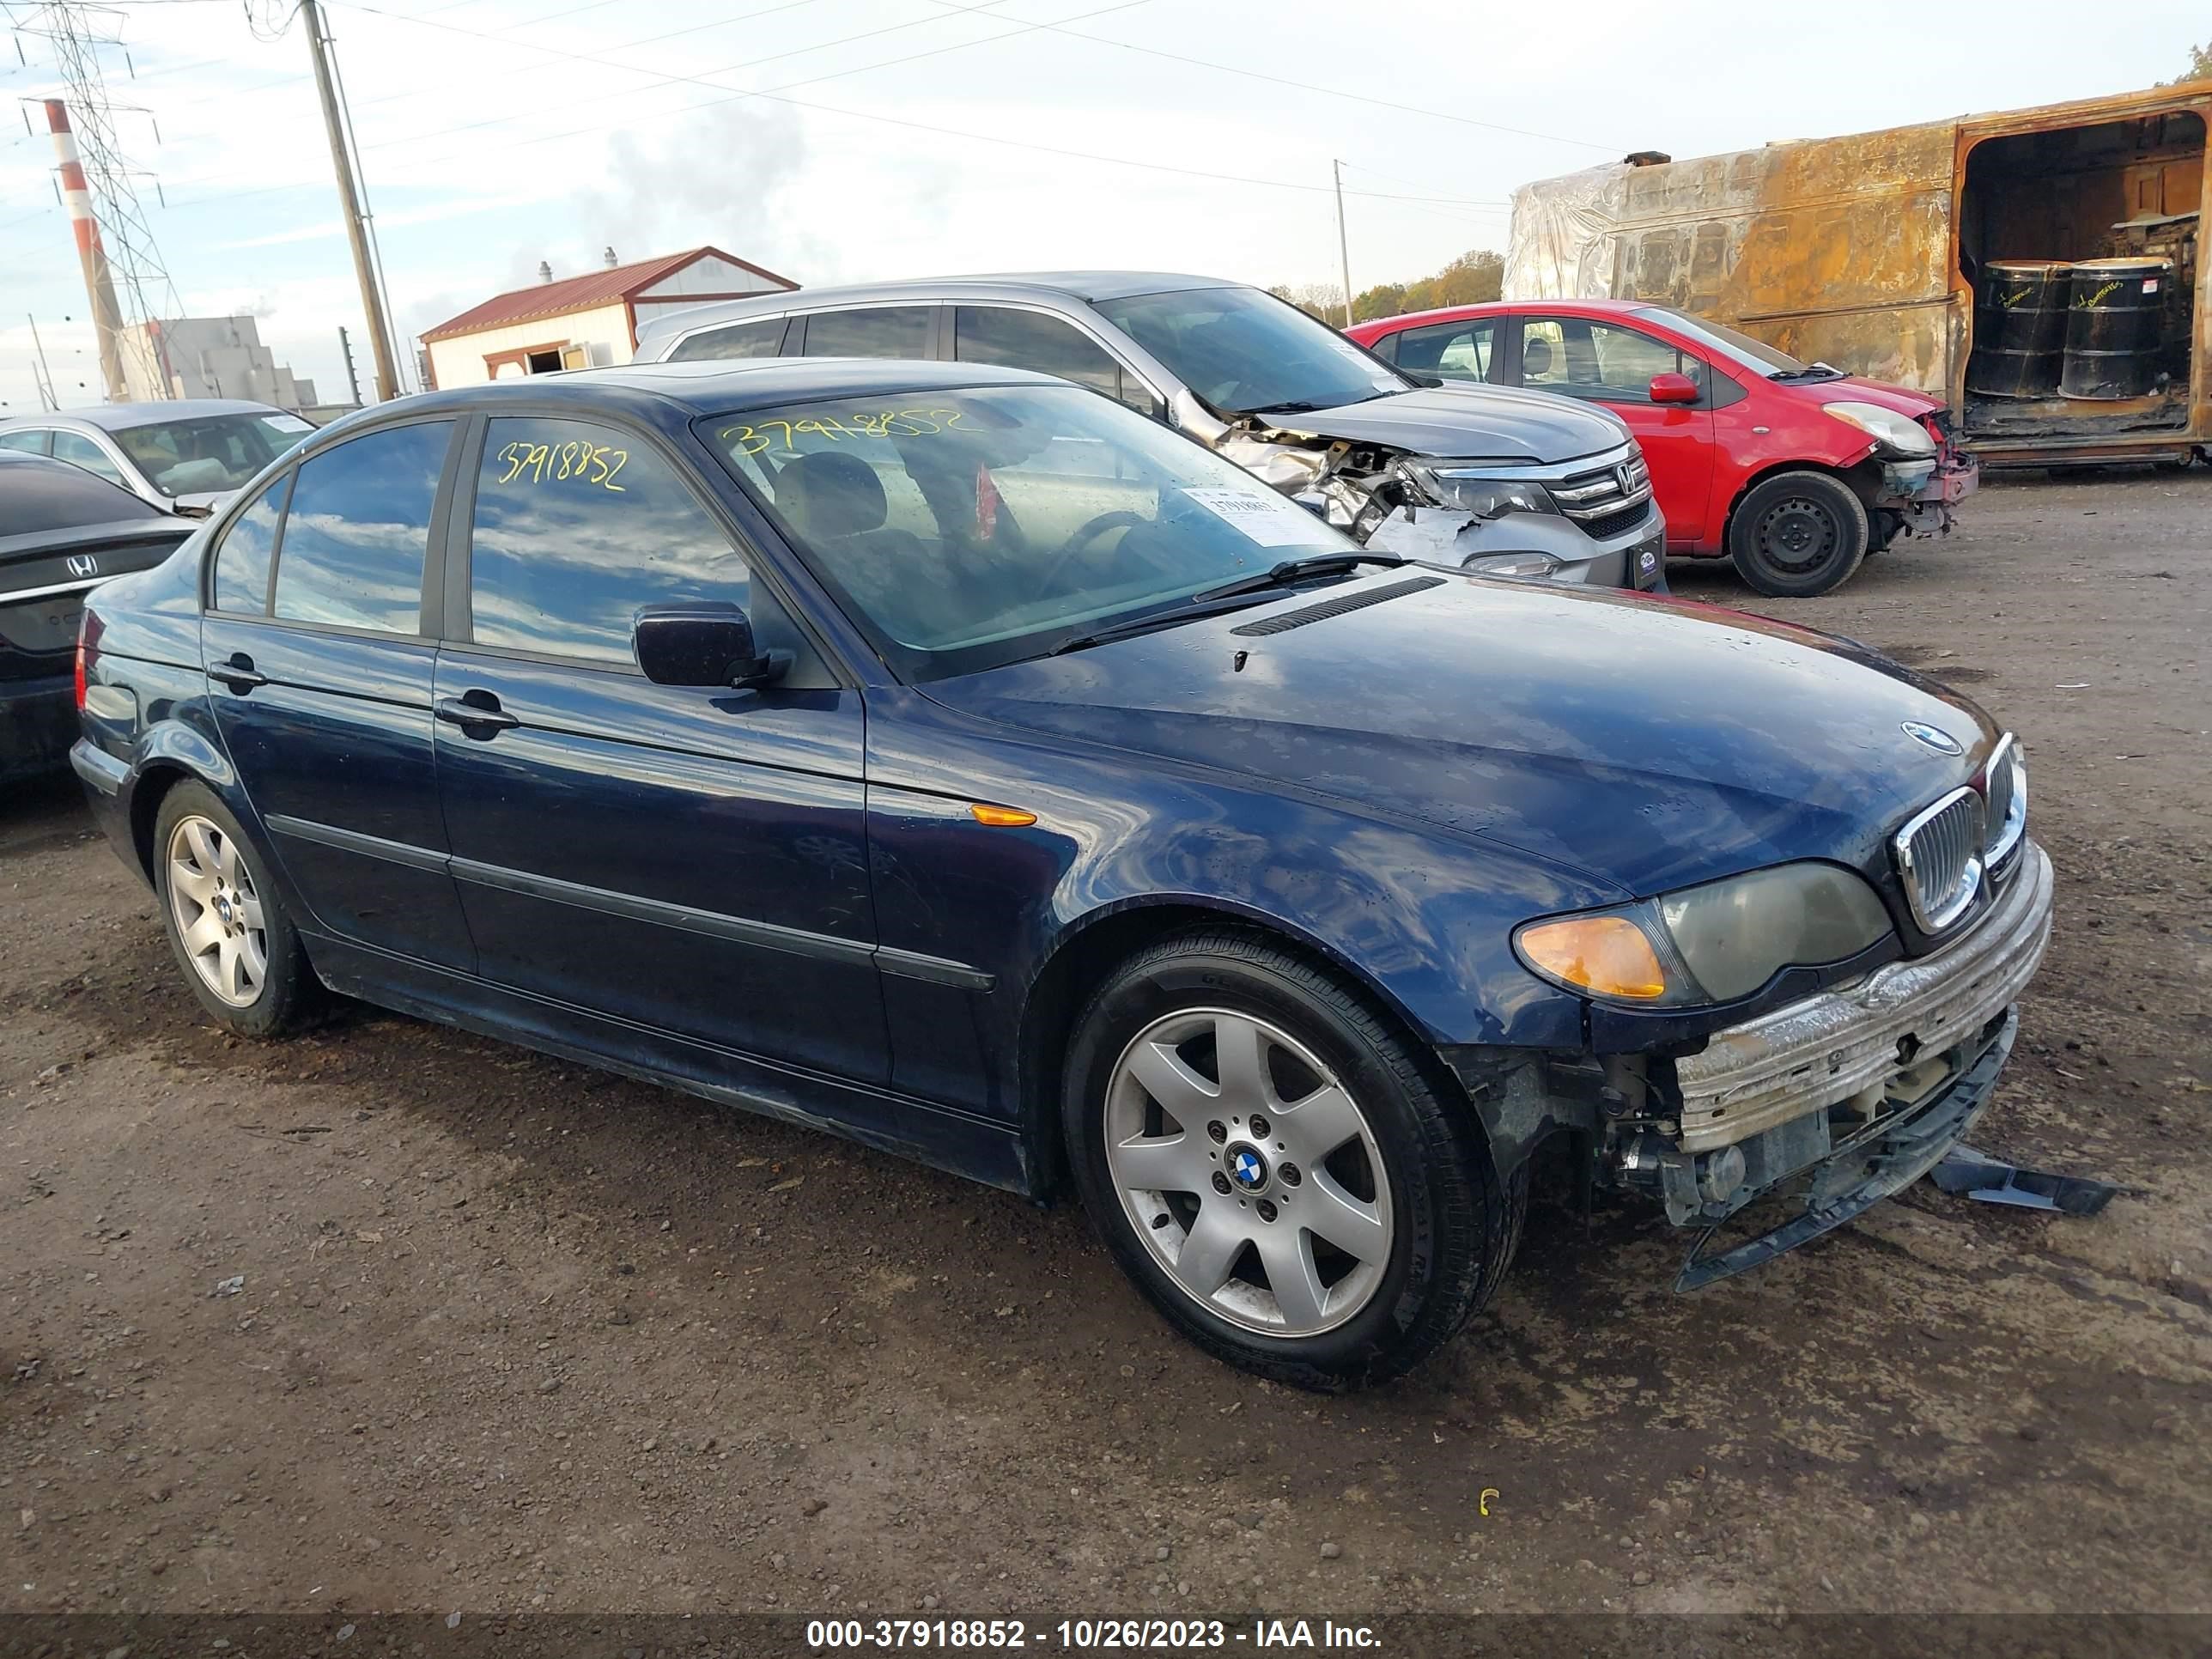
(1993, 1181)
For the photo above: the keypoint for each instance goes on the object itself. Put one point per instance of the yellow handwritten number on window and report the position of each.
(573, 462)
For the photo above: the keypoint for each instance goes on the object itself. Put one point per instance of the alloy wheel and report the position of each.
(217, 911)
(1249, 1171)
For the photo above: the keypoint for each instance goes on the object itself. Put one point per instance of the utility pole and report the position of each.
(371, 299)
(353, 378)
(1343, 248)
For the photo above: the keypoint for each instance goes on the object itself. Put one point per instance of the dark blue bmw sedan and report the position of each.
(954, 759)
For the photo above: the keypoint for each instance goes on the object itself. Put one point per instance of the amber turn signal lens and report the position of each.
(1003, 818)
(1608, 955)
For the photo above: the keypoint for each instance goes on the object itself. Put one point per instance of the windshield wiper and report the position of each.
(1291, 571)
(1295, 406)
(1808, 372)
(1230, 596)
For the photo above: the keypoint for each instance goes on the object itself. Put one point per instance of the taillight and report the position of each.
(88, 651)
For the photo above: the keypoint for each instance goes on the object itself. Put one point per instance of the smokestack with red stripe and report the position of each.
(107, 315)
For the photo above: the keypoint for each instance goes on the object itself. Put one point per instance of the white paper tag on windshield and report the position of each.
(1269, 519)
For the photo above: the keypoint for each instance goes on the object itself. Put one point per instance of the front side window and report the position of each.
(204, 453)
(1598, 360)
(358, 528)
(1457, 351)
(961, 530)
(1247, 353)
(578, 526)
(762, 339)
(80, 450)
(241, 563)
(1030, 339)
(872, 332)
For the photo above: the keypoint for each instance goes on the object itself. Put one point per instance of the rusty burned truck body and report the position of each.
(1923, 256)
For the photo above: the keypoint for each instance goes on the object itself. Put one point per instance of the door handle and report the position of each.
(238, 674)
(486, 717)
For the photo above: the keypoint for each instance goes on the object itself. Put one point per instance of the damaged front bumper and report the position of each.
(1833, 1103)
(1920, 490)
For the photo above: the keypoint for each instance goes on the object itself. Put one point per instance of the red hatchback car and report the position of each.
(1795, 470)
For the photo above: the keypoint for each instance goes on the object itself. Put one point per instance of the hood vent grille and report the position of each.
(1337, 607)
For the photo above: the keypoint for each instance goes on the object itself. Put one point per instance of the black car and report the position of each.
(63, 532)
(955, 759)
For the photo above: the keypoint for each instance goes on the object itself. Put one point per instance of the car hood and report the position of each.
(1478, 422)
(1648, 743)
(1903, 399)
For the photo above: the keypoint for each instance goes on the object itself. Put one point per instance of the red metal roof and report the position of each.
(585, 292)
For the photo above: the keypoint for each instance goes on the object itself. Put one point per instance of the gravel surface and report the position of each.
(394, 1317)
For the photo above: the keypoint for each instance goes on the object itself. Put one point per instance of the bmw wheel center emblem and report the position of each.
(1941, 742)
(1247, 1169)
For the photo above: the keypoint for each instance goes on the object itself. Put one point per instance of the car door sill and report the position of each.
(982, 1148)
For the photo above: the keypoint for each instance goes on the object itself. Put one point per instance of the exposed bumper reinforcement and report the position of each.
(1856, 1179)
(1828, 1048)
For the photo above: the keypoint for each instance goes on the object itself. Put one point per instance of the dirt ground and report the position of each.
(513, 1334)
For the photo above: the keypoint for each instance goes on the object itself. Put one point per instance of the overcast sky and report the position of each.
(908, 137)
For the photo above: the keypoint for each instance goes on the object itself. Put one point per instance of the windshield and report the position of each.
(206, 453)
(1247, 352)
(1754, 354)
(961, 530)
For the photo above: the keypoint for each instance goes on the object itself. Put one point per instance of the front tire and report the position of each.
(1799, 534)
(1269, 1162)
(227, 928)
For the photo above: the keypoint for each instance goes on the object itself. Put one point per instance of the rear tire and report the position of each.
(1798, 534)
(229, 930)
(1335, 1244)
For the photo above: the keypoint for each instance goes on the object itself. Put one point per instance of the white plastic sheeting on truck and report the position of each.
(1561, 243)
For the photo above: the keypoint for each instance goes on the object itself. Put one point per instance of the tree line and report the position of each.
(1474, 276)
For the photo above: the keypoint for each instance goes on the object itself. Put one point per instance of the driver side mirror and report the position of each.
(1673, 389)
(706, 644)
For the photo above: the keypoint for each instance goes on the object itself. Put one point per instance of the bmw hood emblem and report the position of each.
(1941, 741)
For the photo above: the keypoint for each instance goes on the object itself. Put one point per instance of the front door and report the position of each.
(1613, 365)
(687, 858)
(321, 682)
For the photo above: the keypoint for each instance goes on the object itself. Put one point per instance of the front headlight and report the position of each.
(1714, 943)
(1516, 567)
(1900, 432)
(1479, 490)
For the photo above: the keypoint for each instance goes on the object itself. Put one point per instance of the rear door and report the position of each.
(320, 674)
(1608, 363)
(689, 859)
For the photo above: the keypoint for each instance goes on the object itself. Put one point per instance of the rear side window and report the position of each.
(1458, 351)
(576, 528)
(762, 339)
(873, 332)
(241, 563)
(30, 443)
(358, 528)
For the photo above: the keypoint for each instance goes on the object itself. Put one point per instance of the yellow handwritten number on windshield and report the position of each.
(575, 462)
(885, 423)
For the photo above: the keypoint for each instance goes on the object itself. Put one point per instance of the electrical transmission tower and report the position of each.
(77, 34)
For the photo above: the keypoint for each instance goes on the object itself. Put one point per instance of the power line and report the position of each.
(773, 93)
(1329, 92)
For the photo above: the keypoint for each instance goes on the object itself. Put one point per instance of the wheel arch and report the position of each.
(1863, 477)
(1090, 948)
(173, 754)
